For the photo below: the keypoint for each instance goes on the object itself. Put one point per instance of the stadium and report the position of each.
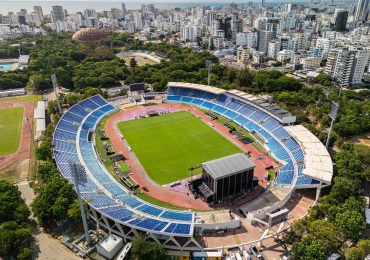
(215, 182)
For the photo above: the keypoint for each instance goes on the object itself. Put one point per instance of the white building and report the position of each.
(273, 49)
(361, 60)
(110, 246)
(311, 63)
(284, 55)
(243, 55)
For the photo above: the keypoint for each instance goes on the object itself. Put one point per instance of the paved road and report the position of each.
(49, 248)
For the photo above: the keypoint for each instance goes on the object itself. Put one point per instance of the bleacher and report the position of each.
(96, 185)
(257, 122)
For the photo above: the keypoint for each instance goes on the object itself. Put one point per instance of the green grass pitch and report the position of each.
(10, 129)
(168, 145)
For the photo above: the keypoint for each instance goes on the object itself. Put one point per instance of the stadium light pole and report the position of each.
(76, 177)
(333, 115)
(55, 85)
(209, 67)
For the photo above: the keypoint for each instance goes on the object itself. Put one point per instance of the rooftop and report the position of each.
(228, 165)
(317, 160)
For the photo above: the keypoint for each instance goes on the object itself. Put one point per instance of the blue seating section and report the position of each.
(277, 139)
(94, 180)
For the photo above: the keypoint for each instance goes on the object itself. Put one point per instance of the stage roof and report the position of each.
(317, 160)
(227, 166)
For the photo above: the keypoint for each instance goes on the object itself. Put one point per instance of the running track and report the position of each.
(162, 193)
(24, 148)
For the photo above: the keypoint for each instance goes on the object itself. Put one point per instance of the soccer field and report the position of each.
(10, 129)
(168, 145)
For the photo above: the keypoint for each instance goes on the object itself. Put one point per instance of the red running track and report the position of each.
(24, 148)
(163, 193)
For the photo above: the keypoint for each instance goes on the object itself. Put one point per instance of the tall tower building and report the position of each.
(38, 11)
(362, 10)
(264, 37)
(341, 21)
(58, 13)
(123, 7)
(263, 3)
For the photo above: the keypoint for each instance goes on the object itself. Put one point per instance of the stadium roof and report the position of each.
(210, 89)
(228, 165)
(265, 104)
(317, 160)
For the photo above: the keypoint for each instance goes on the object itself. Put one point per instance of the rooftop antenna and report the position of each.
(77, 176)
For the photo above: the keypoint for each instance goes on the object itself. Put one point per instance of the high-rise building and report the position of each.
(341, 21)
(91, 13)
(347, 65)
(123, 7)
(243, 55)
(362, 10)
(138, 20)
(263, 3)
(225, 25)
(273, 49)
(264, 37)
(38, 11)
(57, 13)
(361, 60)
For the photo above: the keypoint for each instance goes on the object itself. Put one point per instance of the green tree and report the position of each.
(43, 152)
(72, 99)
(364, 246)
(143, 249)
(133, 62)
(354, 253)
(309, 248)
(351, 223)
(25, 253)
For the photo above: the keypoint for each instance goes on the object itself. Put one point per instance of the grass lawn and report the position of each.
(168, 145)
(25, 98)
(10, 129)
(123, 166)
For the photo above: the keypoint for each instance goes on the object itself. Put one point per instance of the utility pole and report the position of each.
(55, 85)
(333, 115)
(209, 67)
(77, 176)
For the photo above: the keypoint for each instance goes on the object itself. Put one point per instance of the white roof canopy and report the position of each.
(317, 160)
(206, 88)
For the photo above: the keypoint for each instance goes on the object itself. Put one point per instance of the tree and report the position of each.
(25, 253)
(328, 233)
(72, 99)
(43, 152)
(364, 246)
(309, 248)
(15, 233)
(323, 79)
(351, 223)
(46, 171)
(354, 253)
(143, 249)
(133, 62)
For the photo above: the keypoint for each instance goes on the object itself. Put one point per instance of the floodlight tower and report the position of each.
(209, 67)
(77, 176)
(55, 86)
(333, 115)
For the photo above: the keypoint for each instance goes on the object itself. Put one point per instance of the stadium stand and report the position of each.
(75, 154)
(263, 119)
